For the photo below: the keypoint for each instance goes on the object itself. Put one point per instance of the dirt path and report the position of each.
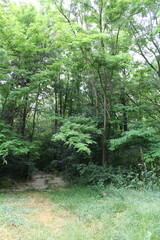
(41, 180)
(34, 216)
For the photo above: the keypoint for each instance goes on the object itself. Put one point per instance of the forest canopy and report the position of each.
(79, 85)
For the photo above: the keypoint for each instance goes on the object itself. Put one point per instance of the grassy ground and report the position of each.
(80, 213)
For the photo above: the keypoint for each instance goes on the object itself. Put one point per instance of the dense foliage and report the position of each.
(79, 84)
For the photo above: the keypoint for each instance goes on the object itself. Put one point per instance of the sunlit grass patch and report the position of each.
(79, 213)
(30, 216)
(121, 214)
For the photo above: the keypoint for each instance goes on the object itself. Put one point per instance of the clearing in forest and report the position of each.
(80, 213)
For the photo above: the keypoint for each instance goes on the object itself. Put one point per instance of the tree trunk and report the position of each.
(106, 117)
(124, 124)
(96, 96)
(34, 114)
(24, 116)
(104, 147)
(56, 110)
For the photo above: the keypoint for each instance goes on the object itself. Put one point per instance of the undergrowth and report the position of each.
(78, 212)
(95, 175)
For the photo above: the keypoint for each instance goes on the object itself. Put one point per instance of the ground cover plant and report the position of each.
(78, 213)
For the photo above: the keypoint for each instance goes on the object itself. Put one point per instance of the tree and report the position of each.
(65, 61)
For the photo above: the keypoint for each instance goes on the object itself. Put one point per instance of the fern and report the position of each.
(77, 132)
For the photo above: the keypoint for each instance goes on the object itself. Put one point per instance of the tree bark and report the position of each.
(96, 96)
(106, 117)
(124, 125)
(56, 110)
(34, 114)
(24, 116)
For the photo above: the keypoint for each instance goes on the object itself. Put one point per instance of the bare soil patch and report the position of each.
(41, 181)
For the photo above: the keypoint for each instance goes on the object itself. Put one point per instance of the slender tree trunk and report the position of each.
(106, 117)
(65, 104)
(56, 110)
(34, 114)
(24, 116)
(66, 97)
(96, 96)
(104, 147)
(124, 120)
(61, 103)
(70, 107)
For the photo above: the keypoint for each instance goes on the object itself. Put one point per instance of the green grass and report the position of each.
(80, 213)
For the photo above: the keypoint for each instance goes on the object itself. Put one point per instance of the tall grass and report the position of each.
(80, 213)
(119, 214)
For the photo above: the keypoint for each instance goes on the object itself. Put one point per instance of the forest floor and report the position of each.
(48, 209)
(41, 180)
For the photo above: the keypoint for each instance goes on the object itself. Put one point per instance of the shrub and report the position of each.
(77, 132)
(119, 177)
(17, 155)
(145, 139)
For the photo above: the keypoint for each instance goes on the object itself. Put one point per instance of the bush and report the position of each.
(119, 177)
(142, 143)
(77, 132)
(18, 168)
(6, 182)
